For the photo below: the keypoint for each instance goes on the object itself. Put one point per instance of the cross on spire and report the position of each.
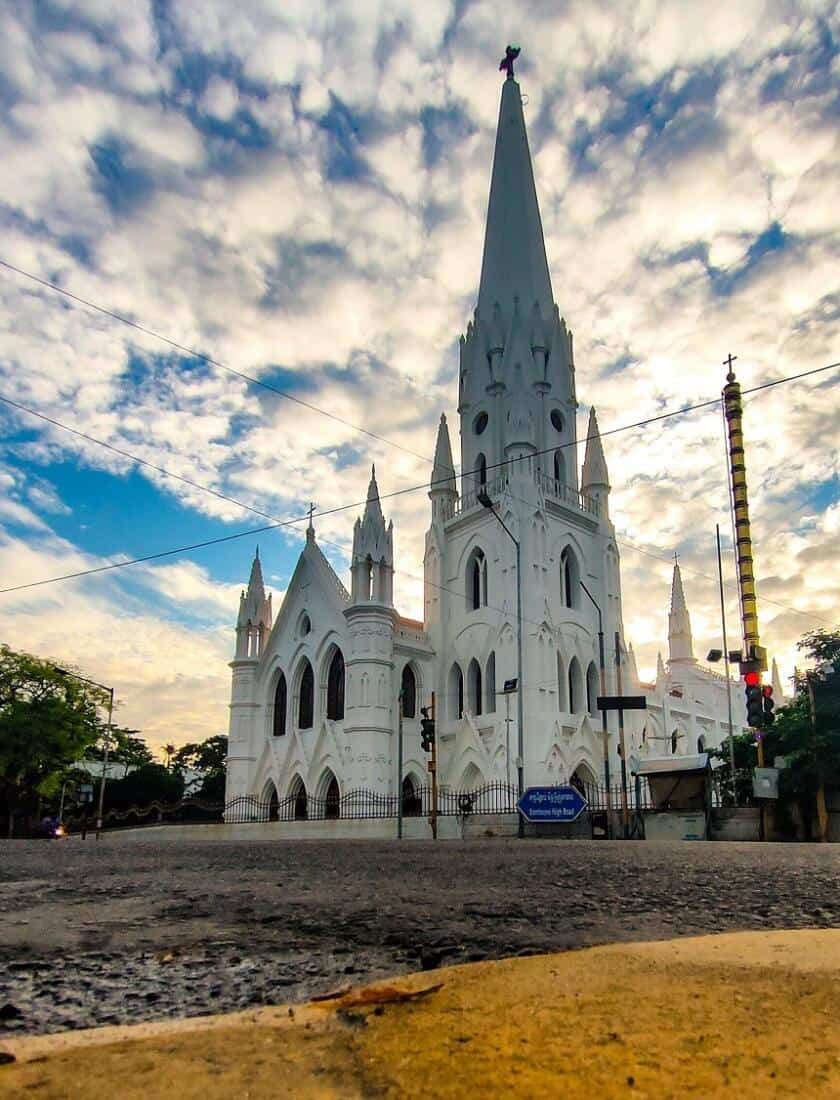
(506, 64)
(310, 530)
(728, 361)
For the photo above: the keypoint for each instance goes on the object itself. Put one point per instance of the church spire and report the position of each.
(776, 682)
(514, 264)
(253, 624)
(679, 624)
(372, 564)
(595, 480)
(443, 471)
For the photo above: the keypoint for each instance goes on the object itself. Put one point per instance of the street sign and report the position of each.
(551, 804)
(510, 685)
(621, 702)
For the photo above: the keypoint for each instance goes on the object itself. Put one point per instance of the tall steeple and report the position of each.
(516, 357)
(680, 646)
(253, 624)
(776, 683)
(514, 263)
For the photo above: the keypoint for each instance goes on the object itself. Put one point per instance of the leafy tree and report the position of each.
(210, 758)
(149, 783)
(125, 748)
(168, 753)
(47, 720)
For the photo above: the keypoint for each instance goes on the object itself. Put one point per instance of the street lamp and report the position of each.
(485, 501)
(110, 690)
(601, 663)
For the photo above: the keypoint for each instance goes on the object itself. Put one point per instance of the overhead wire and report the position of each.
(209, 359)
(290, 522)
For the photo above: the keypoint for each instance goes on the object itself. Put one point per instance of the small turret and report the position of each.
(595, 481)
(776, 682)
(372, 566)
(253, 624)
(680, 647)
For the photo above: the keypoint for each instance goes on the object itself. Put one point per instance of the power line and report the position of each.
(205, 358)
(340, 508)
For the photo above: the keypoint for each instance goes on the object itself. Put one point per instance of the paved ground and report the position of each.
(112, 934)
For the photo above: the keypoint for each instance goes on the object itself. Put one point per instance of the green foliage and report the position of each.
(204, 756)
(125, 748)
(47, 720)
(149, 783)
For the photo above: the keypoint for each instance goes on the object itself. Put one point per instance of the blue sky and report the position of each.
(298, 190)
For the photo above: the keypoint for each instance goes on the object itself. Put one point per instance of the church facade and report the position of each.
(315, 704)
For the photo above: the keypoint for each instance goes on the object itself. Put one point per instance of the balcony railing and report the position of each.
(551, 487)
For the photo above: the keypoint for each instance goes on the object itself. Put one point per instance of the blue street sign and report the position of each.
(551, 804)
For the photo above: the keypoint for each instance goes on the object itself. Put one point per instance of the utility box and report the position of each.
(680, 789)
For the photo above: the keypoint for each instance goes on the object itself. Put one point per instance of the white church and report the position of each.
(315, 712)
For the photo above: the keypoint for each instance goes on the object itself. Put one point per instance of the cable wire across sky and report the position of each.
(295, 520)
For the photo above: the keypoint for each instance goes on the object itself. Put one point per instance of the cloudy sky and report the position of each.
(298, 190)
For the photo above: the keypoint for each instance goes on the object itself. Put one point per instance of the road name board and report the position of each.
(621, 702)
(552, 804)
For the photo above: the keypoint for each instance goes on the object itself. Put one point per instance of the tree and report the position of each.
(47, 720)
(168, 753)
(125, 748)
(210, 758)
(149, 783)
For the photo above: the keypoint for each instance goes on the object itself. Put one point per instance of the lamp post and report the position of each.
(486, 502)
(110, 690)
(601, 663)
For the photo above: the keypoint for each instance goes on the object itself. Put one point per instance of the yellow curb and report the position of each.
(747, 1014)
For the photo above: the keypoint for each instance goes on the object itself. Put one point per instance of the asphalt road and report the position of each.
(109, 933)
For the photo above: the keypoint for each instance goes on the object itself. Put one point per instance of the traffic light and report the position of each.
(427, 730)
(769, 717)
(755, 700)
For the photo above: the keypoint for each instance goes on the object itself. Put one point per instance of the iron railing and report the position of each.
(355, 805)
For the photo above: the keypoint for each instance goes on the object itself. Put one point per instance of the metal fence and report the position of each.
(355, 805)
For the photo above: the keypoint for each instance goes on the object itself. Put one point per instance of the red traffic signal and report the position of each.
(752, 679)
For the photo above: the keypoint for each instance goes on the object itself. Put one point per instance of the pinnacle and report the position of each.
(514, 264)
(594, 462)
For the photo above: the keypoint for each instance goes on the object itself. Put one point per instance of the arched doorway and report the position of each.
(271, 797)
(332, 800)
(412, 804)
(297, 792)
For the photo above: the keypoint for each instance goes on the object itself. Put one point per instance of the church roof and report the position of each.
(514, 263)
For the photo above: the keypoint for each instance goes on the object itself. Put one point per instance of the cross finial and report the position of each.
(506, 64)
(728, 361)
(310, 530)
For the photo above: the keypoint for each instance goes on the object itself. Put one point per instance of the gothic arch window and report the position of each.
(474, 682)
(561, 685)
(675, 740)
(481, 470)
(279, 720)
(409, 692)
(476, 579)
(335, 687)
(306, 697)
(559, 467)
(304, 625)
(490, 685)
(456, 692)
(701, 743)
(592, 689)
(569, 578)
(575, 686)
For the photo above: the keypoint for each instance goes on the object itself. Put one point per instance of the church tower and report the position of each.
(253, 627)
(521, 497)
(370, 618)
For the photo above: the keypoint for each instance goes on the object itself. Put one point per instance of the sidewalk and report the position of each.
(742, 1014)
